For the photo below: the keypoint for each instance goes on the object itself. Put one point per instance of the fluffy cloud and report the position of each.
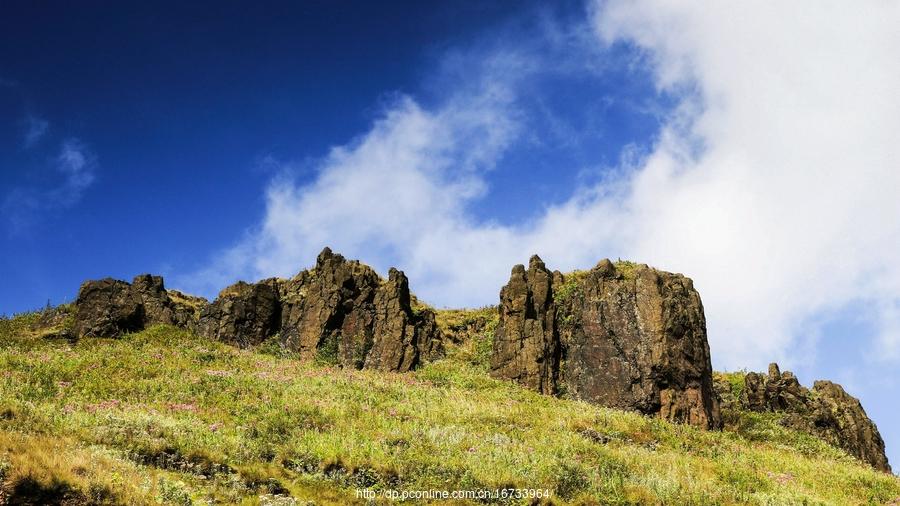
(790, 209)
(773, 182)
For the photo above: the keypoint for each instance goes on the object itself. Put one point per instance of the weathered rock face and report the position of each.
(826, 411)
(526, 342)
(632, 338)
(776, 391)
(110, 308)
(840, 419)
(243, 314)
(342, 310)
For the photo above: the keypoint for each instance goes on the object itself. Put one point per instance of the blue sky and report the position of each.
(755, 150)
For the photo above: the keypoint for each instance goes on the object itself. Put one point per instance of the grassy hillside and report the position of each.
(162, 416)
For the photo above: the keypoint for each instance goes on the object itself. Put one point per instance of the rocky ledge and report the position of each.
(825, 411)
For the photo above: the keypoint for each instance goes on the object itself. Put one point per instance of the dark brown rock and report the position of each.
(340, 310)
(243, 314)
(400, 337)
(526, 342)
(827, 412)
(110, 308)
(631, 338)
(152, 293)
(343, 310)
(107, 308)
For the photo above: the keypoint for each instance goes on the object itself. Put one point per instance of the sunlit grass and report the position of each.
(164, 416)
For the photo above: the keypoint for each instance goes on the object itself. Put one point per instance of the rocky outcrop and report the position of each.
(628, 337)
(344, 311)
(340, 311)
(526, 342)
(776, 391)
(243, 314)
(839, 418)
(825, 411)
(110, 307)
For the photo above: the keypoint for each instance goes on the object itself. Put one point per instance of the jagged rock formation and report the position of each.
(110, 308)
(526, 342)
(343, 308)
(340, 310)
(631, 338)
(826, 411)
(620, 335)
(243, 314)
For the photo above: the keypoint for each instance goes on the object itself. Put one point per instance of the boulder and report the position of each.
(630, 338)
(110, 307)
(107, 308)
(243, 314)
(827, 411)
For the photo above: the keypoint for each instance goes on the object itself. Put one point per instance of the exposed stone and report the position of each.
(827, 411)
(840, 418)
(631, 338)
(526, 342)
(110, 308)
(243, 314)
(107, 308)
(340, 311)
(401, 337)
(152, 294)
(344, 311)
(187, 309)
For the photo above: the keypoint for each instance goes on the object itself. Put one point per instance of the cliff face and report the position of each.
(825, 411)
(632, 339)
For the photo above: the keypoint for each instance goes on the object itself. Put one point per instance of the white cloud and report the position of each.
(75, 163)
(773, 184)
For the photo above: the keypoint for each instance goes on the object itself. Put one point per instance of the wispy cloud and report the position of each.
(35, 130)
(75, 167)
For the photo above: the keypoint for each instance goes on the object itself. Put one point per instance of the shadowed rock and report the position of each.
(243, 314)
(107, 308)
(110, 308)
(632, 339)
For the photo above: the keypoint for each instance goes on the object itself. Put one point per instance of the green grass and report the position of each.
(162, 416)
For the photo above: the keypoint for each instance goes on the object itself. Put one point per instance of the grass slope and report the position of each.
(162, 416)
